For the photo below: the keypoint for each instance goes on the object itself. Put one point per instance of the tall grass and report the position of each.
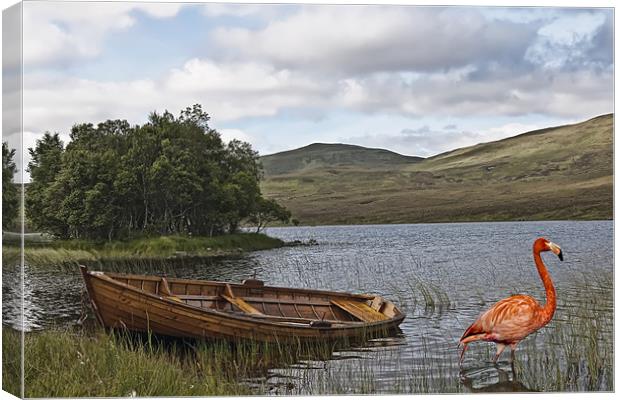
(11, 361)
(70, 364)
(148, 250)
(76, 363)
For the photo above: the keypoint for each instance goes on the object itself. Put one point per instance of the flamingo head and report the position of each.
(543, 244)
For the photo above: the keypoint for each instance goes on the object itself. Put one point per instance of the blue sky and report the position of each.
(415, 80)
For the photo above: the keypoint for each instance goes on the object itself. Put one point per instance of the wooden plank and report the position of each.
(242, 305)
(229, 291)
(376, 304)
(164, 288)
(216, 284)
(301, 302)
(360, 310)
(197, 297)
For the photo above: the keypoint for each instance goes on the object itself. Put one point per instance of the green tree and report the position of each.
(169, 176)
(268, 211)
(44, 166)
(85, 187)
(10, 193)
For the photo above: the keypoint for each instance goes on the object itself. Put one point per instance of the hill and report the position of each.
(563, 172)
(325, 155)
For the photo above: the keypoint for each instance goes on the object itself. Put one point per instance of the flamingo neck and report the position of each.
(549, 309)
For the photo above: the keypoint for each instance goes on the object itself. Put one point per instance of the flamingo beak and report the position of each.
(556, 250)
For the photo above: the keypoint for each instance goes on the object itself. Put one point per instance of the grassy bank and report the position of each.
(164, 247)
(65, 363)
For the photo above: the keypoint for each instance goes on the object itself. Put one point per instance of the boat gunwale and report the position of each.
(343, 325)
(170, 280)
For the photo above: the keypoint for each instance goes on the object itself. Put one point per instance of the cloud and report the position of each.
(228, 91)
(564, 93)
(231, 134)
(425, 141)
(59, 34)
(237, 90)
(365, 39)
(422, 131)
(261, 11)
(574, 41)
(57, 103)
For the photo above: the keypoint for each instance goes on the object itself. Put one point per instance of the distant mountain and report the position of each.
(326, 155)
(564, 172)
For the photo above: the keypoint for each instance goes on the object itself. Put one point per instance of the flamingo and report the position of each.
(512, 319)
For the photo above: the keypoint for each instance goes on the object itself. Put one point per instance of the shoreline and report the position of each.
(156, 249)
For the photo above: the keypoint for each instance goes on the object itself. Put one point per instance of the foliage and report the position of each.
(170, 176)
(267, 211)
(44, 166)
(10, 194)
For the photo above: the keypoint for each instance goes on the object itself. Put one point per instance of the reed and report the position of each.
(147, 250)
(73, 364)
(78, 363)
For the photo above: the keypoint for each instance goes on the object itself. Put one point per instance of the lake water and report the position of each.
(441, 275)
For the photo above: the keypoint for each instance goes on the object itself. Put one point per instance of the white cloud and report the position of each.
(231, 134)
(236, 10)
(565, 41)
(563, 93)
(61, 33)
(226, 91)
(58, 103)
(425, 142)
(206, 75)
(356, 39)
(236, 90)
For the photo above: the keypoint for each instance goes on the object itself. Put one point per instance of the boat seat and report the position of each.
(239, 302)
(359, 310)
(164, 289)
(242, 305)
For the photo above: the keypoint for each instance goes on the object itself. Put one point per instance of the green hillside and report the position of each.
(324, 155)
(563, 172)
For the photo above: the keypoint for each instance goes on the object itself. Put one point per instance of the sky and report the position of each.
(414, 80)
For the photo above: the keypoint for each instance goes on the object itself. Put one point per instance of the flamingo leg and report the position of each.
(469, 340)
(462, 354)
(500, 349)
(513, 347)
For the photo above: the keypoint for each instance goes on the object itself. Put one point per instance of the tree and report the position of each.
(85, 187)
(169, 176)
(268, 211)
(44, 166)
(10, 193)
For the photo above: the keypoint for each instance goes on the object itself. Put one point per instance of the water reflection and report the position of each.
(492, 379)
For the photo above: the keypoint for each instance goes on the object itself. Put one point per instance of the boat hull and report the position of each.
(120, 305)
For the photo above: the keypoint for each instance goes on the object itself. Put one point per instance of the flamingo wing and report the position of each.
(508, 320)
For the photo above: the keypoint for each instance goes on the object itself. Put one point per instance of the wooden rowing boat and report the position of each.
(250, 310)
